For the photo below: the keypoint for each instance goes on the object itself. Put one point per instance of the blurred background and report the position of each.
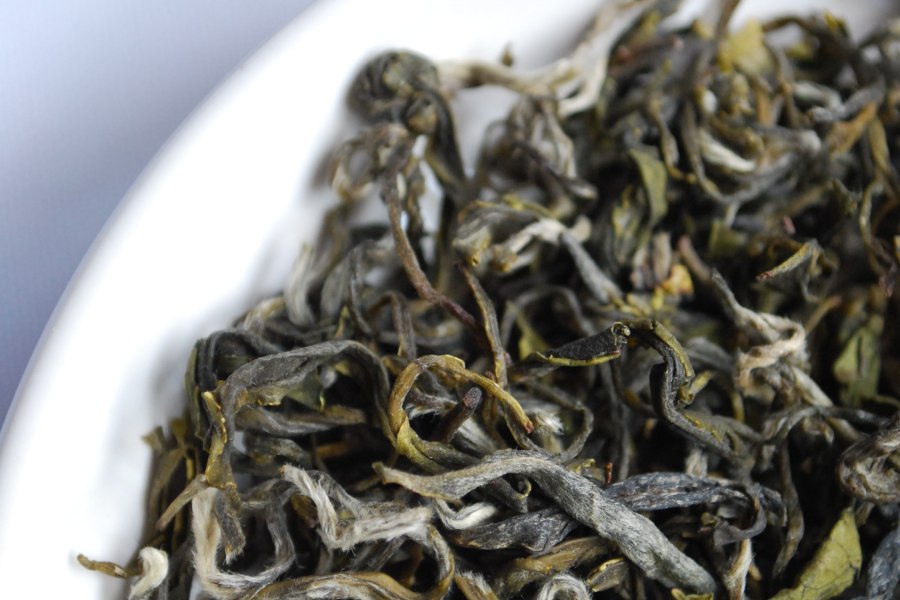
(89, 92)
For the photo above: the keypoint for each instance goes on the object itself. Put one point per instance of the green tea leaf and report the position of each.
(834, 567)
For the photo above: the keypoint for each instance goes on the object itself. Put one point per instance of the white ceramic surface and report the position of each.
(211, 226)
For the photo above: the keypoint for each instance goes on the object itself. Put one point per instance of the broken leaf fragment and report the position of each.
(746, 50)
(833, 568)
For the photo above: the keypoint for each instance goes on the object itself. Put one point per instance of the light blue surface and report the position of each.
(89, 92)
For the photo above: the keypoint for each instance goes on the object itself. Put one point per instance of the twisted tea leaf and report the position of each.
(522, 572)
(658, 306)
(638, 538)
(536, 532)
(868, 469)
(267, 381)
(883, 575)
(563, 587)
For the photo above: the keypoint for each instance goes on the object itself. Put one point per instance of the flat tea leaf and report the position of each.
(834, 567)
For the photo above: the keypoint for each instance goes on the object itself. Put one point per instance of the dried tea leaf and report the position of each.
(521, 572)
(653, 177)
(638, 538)
(883, 574)
(593, 350)
(858, 366)
(657, 306)
(746, 50)
(868, 469)
(834, 567)
(564, 587)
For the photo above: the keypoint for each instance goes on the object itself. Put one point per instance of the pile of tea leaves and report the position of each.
(648, 350)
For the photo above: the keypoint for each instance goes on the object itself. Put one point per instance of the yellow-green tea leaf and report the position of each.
(834, 567)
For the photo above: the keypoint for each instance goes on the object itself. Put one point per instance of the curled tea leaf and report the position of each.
(656, 307)
(868, 469)
(638, 538)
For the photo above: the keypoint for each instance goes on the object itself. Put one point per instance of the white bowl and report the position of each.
(211, 226)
